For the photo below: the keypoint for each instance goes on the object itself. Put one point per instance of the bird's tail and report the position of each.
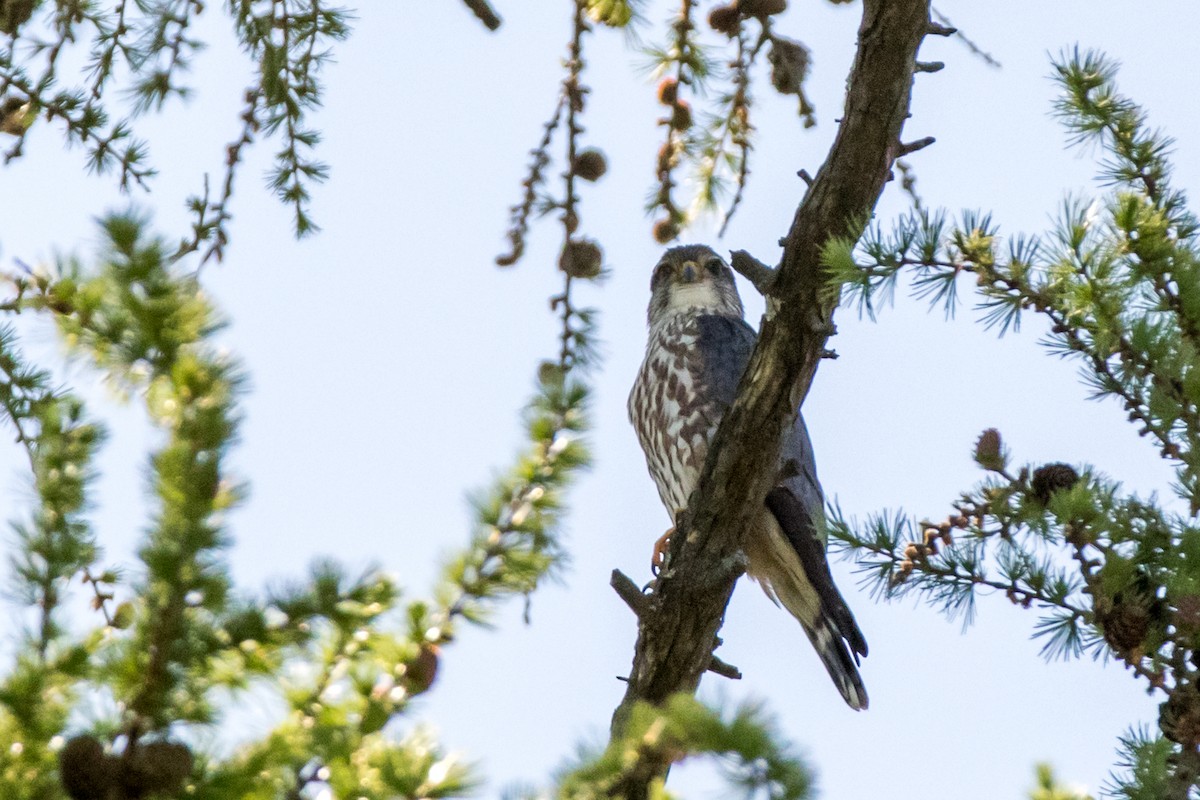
(827, 637)
(837, 660)
(807, 591)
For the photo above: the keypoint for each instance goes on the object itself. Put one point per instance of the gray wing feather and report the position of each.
(798, 503)
(725, 344)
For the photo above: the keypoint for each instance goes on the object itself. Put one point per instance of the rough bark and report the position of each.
(679, 622)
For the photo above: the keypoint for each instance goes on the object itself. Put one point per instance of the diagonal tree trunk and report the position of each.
(678, 623)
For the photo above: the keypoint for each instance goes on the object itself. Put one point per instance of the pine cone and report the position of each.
(1132, 619)
(581, 258)
(1048, 480)
(724, 19)
(668, 91)
(1179, 716)
(86, 771)
(15, 13)
(681, 116)
(789, 65)
(590, 165)
(989, 450)
(665, 230)
(761, 8)
(155, 768)
(422, 670)
(1126, 626)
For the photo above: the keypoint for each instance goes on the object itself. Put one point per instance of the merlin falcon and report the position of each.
(698, 348)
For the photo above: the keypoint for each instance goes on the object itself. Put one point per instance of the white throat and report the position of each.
(701, 294)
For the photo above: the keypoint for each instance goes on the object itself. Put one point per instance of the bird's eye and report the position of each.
(661, 272)
(714, 267)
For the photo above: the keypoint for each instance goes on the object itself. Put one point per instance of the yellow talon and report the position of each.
(658, 561)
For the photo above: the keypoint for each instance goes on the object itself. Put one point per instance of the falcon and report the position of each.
(698, 347)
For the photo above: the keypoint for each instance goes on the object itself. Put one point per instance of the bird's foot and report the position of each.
(658, 561)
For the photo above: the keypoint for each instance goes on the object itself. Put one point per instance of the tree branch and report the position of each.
(482, 10)
(753, 270)
(675, 643)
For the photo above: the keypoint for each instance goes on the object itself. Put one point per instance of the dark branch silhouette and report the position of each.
(677, 630)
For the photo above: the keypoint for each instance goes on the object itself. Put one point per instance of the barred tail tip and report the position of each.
(838, 663)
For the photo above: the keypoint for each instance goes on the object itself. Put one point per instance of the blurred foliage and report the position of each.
(1118, 281)
(753, 756)
(177, 646)
(1048, 787)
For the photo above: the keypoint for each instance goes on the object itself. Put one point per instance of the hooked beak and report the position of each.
(689, 273)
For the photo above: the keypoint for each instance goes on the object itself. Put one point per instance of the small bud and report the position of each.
(761, 8)
(590, 165)
(581, 258)
(668, 91)
(1050, 479)
(989, 451)
(724, 19)
(665, 230)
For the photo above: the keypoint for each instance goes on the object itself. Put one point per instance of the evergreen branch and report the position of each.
(1093, 109)
(154, 41)
(286, 44)
(109, 41)
(212, 218)
(1084, 286)
(114, 148)
(754, 757)
(685, 58)
(165, 38)
(1144, 767)
(362, 678)
(520, 213)
(948, 570)
(515, 545)
(1048, 787)
(146, 326)
(736, 127)
(580, 258)
(59, 442)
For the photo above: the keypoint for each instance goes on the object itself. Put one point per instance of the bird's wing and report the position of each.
(797, 503)
(725, 344)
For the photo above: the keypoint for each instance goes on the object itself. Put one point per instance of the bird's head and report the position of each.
(692, 279)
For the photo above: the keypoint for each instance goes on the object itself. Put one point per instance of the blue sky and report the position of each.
(389, 357)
